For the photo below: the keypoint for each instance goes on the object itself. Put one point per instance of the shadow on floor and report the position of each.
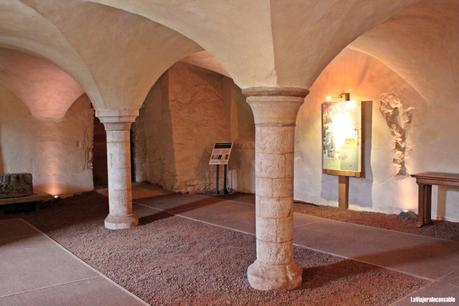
(438, 250)
(432, 250)
(320, 276)
(92, 208)
(208, 201)
(85, 208)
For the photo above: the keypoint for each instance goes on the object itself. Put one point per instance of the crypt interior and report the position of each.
(340, 180)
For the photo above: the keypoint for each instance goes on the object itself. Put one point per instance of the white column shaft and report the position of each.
(275, 115)
(119, 172)
(117, 125)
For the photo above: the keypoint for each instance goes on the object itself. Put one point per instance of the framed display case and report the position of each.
(343, 138)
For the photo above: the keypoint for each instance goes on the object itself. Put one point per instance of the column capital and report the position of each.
(117, 119)
(275, 106)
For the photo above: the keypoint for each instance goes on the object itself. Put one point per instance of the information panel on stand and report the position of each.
(221, 153)
(343, 138)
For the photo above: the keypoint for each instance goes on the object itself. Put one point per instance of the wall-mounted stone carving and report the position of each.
(16, 185)
(88, 143)
(399, 119)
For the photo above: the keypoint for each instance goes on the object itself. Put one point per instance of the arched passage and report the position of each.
(56, 153)
(191, 107)
(255, 52)
(366, 79)
(47, 91)
(56, 126)
(118, 49)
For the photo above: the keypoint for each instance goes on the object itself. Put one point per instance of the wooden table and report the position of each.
(425, 180)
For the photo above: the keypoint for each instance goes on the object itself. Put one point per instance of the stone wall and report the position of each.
(178, 115)
(198, 118)
(185, 113)
(242, 165)
(57, 153)
(431, 141)
(154, 159)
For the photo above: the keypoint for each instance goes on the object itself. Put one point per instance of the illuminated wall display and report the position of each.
(343, 138)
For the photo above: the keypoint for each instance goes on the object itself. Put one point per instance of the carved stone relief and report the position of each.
(399, 119)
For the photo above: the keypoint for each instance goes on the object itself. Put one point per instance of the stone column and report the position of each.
(275, 111)
(117, 125)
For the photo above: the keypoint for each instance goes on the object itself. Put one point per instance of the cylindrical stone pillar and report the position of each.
(117, 125)
(275, 111)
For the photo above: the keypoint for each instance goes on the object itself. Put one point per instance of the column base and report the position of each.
(264, 276)
(121, 222)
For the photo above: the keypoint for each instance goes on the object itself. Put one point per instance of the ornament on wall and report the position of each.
(88, 143)
(399, 119)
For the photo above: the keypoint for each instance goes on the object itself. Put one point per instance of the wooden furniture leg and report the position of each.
(421, 206)
(427, 204)
(343, 195)
(425, 181)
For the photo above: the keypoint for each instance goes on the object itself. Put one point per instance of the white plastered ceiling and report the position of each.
(116, 50)
(47, 91)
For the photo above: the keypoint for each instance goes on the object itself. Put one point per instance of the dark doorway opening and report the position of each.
(132, 153)
(99, 168)
(99, 155)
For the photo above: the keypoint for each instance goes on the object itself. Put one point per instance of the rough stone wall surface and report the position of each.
(242, 166)
(432, 137)
(58, 154)
(398, 119)
(154, 147)
(242, 129)
(185, 113)
(198, 119)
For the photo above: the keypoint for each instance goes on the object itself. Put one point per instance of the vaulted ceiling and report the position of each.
(117, 49)
(47, 91)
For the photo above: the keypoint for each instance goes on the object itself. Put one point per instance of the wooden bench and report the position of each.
(425, 180)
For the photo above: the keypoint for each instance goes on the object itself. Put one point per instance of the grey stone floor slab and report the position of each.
(234, 214)
(416, 255)
(140, 191)
(34, 261)
(436, 289)
(224, 215)
(412, 254)
(174, 201)
(13, 229)
(34, 268)
(301, 220)
(92, 292)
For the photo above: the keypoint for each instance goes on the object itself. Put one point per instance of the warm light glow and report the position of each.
(351, 104)
(56, 196)
(328, 98)
(408, 191)
(51, 161)
(342, 129)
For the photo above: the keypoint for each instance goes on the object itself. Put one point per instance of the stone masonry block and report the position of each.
(270, 165)
(274, 229)
(276, 253)
(273, 139)
(268, 207)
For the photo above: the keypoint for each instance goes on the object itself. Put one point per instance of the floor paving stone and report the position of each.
(35, 270)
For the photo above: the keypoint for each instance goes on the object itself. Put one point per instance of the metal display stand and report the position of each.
(217, 179)
(220, 156)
